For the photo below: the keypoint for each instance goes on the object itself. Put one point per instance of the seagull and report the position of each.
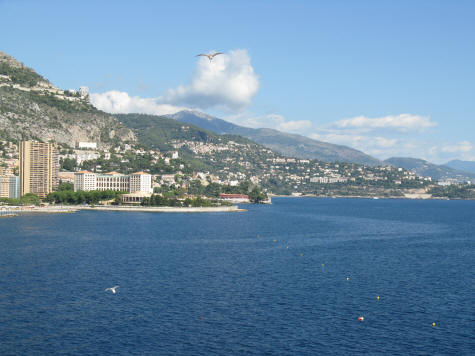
(112, 289)
(210, 56)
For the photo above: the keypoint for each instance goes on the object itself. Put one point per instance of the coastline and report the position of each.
(66, 209)
(405, 197)
(166, 209)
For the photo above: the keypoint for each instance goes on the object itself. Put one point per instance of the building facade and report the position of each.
(135, 182)
(88, 145)
(113, 181)
(140, 182)
(39, 166)
(9, 186)
(85, 181)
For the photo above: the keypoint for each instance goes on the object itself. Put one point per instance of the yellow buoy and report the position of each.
(286, 246)
(377, 297)
(301, 254)
(323, 265)
(433, 324)
(275, 241)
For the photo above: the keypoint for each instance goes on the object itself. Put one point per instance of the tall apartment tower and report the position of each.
(39, 168)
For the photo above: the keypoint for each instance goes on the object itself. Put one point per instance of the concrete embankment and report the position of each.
(166, 209)
(19, 210)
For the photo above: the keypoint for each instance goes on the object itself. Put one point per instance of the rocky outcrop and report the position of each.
(32, 108)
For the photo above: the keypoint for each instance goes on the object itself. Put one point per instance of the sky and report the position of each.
(390, 78)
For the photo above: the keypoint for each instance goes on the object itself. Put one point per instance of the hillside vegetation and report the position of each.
(32, 108)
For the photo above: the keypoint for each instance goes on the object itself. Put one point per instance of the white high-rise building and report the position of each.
(85, 180)
(140, 182)
(9, 186)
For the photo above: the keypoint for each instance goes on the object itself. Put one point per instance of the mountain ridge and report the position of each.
(428, 169)
(291, 145)
(466, 166)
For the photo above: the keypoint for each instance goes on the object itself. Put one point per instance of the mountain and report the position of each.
(32, 108)
(427, 169)
(159, 132)
(291, 145)
(467, 166)
(230, 159)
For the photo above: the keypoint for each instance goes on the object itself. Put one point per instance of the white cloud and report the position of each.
(361, 142)
(401, 122)
(384, 137)
(272, 121)
(295, 126)
(228, 81)
(460, 147)
(120, 102)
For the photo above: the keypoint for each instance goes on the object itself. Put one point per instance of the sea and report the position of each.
(303, 276)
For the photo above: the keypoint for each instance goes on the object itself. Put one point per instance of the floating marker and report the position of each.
(286, 246)
(433, 324)
(323, 265)
(377, 297)
(301, 254)
(347, 278)
(275, 241)
(360, 318)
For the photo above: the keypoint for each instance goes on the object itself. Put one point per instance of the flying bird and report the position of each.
(210, 56)
(112, 289)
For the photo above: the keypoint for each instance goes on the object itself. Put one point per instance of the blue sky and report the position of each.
(392, 78)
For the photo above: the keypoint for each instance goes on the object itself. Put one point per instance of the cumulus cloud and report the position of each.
(272, 121)
(447, 151)
(361, 142)
(402, 122)
(295, 126)
(460, 147)
(228, 81)
(121, 102)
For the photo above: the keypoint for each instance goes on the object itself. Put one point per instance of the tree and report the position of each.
(256, 195)
(30, 199)
(65, 186)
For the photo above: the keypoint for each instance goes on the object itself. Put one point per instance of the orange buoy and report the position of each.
(360, 318)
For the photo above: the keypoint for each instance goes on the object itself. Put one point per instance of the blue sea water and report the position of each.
(269, 281)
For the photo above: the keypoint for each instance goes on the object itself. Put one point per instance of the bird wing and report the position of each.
(201, 54)
(215, 54)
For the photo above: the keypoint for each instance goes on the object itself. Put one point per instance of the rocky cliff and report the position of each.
(32, 108)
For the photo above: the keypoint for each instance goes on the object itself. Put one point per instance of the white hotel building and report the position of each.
(133, 183)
